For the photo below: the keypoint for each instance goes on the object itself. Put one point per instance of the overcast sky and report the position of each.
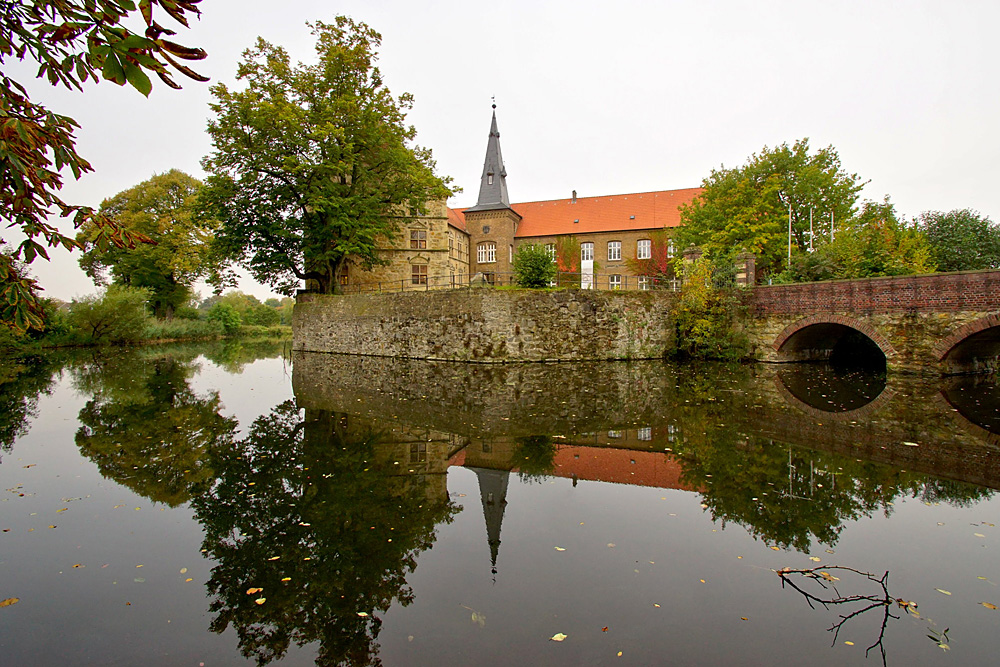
(609, 97)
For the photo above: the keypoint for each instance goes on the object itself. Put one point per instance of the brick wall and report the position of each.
(963, 291)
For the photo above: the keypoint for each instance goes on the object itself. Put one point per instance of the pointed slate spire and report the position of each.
(493, 186)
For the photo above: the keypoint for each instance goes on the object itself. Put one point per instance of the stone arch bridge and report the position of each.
(929, 324)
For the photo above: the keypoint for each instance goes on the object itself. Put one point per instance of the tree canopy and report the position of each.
(962, 240)
(749, 206)
(162, 209)
(73, 42)
(311, 165)
(876, 241)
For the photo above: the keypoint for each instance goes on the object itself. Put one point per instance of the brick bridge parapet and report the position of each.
(929, 324)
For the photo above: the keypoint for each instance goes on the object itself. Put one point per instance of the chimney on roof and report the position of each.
(574, 196)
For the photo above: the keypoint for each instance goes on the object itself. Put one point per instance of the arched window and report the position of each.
(486, 253)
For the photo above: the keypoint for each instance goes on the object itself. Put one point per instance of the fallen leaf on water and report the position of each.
(744, 618)
(251, 591)
(911, 444)
(619, 654)
(559, 549)
(849, 643)
(51, 526)
(137, 509)
(286, 579)
(188, 579)
(702, 581)
(988, 605)
(260, 600)
(558, 637)
(274, 557)
(656, 605)
(362, 614)
(815, 559)
(979, 535)
(776, 548)
(9, 601)
(604, 629)
(941, 590)
(139, 580)
(611, 545)
(62, 510)
(78, 565)
(31, 465)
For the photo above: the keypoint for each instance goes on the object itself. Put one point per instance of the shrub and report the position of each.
(261, 315)
(178, 328)
(225, 315)
(533, 266)
(187, 313)
(118, 315)
(706, 317)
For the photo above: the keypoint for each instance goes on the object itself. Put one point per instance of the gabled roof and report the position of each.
(590, 215)
(456, 219)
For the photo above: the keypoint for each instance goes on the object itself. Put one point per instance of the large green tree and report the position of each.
(312, 165)
(962, 240)
(163, 209)
(749, 206)
(72, 41)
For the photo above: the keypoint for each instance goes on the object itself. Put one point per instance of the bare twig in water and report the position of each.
(831, 596)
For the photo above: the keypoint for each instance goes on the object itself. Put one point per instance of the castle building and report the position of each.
(447, 247)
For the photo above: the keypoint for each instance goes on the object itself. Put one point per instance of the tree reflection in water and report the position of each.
(321, 518)
(145, 428)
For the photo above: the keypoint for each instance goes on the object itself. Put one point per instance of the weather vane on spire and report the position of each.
(494, 98)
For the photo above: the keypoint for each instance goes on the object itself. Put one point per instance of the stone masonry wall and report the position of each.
(488, 326)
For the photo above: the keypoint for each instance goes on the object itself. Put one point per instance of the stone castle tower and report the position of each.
(492, 223)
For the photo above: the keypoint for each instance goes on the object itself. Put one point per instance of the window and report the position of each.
(418, 239)
(486, 253)
(644, 283)
(670, 247)
(643, 249)
(551, 249)
(510, 256)
(418, 274)
(489, 179)
(645, 433)
(418, 452)
(587, 252)
(614, 434)
(614, 251)
(614, 281)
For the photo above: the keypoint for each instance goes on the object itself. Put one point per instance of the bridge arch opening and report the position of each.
(839, 344)
(974, 348)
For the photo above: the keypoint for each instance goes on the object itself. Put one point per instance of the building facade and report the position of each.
(448, 247)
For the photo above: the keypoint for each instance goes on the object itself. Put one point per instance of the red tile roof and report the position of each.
(611, 213)
(457, 219)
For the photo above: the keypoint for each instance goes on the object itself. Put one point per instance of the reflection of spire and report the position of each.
(493, 491)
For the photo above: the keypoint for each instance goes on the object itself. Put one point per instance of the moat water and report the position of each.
(230, 504)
